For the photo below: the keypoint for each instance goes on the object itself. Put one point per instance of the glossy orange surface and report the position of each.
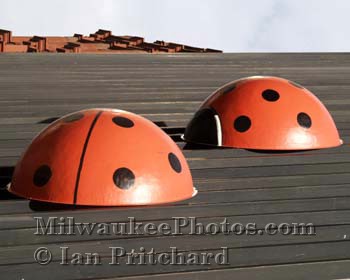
(103, 157)
(266, 113)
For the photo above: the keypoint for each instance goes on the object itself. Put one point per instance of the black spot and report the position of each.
(270, 95)
(295, 84)
(42, 175)
(73, 118)
(123, 178)
(174, 162)
(123, 122)
(304, 120)
(229, 89)
(242, 123)
(202, 128)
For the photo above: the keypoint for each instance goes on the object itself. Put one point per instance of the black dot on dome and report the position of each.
(242, 123)
(123, 178)
(174, 162)
(296, 84)
(229, 89)
(73, 118)
(270, 95)
(123, 122)
(304, 120)
(42, 175)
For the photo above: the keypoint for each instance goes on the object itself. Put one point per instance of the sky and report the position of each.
(229, 25)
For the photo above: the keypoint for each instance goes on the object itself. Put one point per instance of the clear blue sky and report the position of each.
(231, 25)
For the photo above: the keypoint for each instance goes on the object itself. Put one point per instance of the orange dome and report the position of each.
(103, 157)
(265, 113)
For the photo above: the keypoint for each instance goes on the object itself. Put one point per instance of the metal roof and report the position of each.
(240, 185)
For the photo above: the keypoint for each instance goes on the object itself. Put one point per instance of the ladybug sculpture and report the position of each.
(266, 113)
(103, 157)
